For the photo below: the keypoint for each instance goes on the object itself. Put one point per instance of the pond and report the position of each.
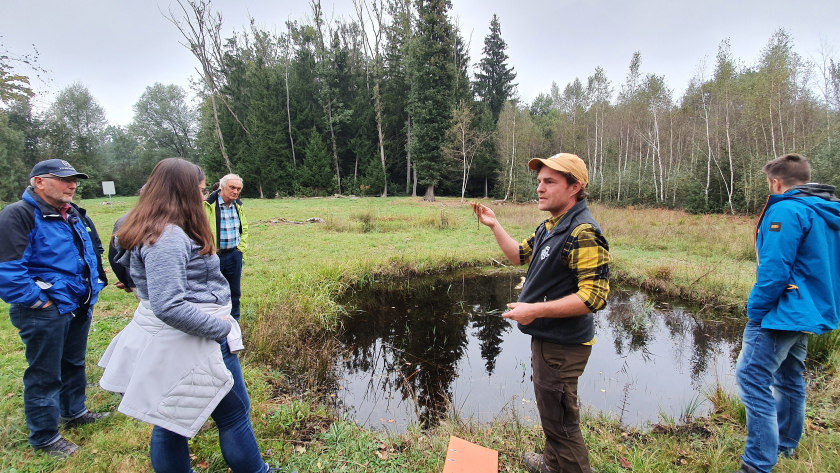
(423, 349)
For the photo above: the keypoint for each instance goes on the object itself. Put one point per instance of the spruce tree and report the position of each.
(494, 83)
(431, 96)
(316, 177)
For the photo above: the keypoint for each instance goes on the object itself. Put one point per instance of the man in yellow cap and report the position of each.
(567, 280)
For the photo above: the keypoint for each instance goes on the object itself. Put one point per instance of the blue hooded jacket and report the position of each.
(43, 257)
(797, 242)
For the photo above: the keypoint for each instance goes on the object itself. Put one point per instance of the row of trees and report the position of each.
(348, 105)
(704, 151)
(74, 128)
(389, 103)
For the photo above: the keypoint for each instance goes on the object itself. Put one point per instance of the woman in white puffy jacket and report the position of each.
(173, 362)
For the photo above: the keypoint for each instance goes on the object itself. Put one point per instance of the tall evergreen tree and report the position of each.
(461, 89)
(431, 96)
(494, 83)
(396, 89)
(316, 176)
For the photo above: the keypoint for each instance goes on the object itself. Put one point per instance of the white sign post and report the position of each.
(108, 189)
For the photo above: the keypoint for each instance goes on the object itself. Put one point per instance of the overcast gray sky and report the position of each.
(119, 47)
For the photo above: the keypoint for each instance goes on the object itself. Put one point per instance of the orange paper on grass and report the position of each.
(466, 457)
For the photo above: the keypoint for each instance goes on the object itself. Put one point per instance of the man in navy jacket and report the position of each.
(797, 292)
(51, 274)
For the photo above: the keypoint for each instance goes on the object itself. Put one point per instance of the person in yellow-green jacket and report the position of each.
(230, 229)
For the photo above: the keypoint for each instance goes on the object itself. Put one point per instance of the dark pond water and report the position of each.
(423, 349)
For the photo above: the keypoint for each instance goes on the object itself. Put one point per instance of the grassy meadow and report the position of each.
(294, 273)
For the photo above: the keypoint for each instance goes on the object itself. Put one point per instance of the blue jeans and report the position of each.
(54, 383)
(171, 454)
(775, 419)
(230, 265)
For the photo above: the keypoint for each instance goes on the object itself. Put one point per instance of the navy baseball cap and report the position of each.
(56, 167)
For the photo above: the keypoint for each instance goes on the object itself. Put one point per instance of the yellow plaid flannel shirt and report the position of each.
(587, 254)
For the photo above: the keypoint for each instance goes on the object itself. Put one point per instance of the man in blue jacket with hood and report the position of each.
(51, 274)
(797, 292)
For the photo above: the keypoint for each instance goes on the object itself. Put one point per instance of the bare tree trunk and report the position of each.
(376, 27)
(731, 161)
(709, 160)
(620, 172)
(322, 60)
(288, 106)
(652, 147)
(335, 149)
(593, 165)
(601, 164)
(219, 132)
(640, 163)
(781, 125)
(205, 25)
(512, 158)
(356, 172)
(661, 195)
(414, 186)
(378, 100)
(627, 148)
(408, 166)
(670, 148)
(772, 131)
(466, 167)
(429, 196)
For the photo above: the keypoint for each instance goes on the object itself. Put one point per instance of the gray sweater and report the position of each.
(172, 275)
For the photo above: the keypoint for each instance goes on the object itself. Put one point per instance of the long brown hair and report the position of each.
(170, 197)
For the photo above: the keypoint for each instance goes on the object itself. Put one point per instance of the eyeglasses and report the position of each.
(65, 180)
(204, 190)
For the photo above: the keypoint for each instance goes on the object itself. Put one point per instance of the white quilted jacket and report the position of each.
(169, 378)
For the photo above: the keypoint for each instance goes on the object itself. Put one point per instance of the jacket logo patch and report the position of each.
(775, 226)
(544, 252)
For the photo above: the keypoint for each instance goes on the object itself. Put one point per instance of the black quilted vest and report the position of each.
(549, 279)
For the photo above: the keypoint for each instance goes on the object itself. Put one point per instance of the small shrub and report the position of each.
(442, 220)
(336, 225)
(660, 273)
(439, 219)
(729, 404)
(367, 220)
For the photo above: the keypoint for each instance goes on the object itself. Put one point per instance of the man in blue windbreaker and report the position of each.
(51, 274)
(797, 292)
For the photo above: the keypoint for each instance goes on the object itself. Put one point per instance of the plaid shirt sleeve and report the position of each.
(587, 253)
(526, 248)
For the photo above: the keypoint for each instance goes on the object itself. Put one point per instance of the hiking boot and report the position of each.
(534, 462)
(277, 470)
(746, 468)
(59, 449)
(86, 418)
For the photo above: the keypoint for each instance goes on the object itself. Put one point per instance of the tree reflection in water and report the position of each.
(412, 334)
(409, 345)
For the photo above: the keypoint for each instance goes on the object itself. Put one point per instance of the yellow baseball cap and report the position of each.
(563, 162)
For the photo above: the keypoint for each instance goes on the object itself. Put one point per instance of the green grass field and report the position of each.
(293, 275)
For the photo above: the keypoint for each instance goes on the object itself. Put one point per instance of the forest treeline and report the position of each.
(389, 102)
